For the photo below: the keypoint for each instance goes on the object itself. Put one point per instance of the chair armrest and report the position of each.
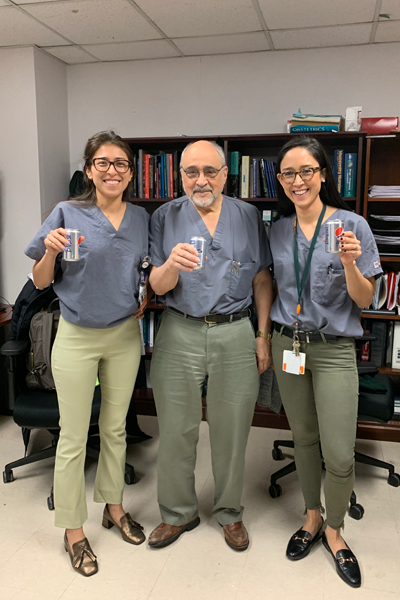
(13, 348)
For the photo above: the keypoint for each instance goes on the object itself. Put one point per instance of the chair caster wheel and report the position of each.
(50, 502)
(394, 479)
(129, 476)
(356, 511)
(275, 490)
(277, 454)
(8, 476)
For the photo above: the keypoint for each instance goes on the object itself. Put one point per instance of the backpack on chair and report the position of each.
(42, 332)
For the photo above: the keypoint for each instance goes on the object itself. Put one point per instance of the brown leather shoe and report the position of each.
(165, 534)
(236, 536)
(82, 557)
(131, 531)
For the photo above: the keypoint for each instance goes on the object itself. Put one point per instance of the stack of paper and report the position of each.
(384, 191)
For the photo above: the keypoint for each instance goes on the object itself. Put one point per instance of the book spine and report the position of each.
(254, 169)
(171, 176)
(350, 167)
(338, 166)
(151, 177)
(176, 174)
(162, 176)
(245, 176)
(146, 175)
(303, 128)
(166, 186)
(151, 329)
(140, 174)
(264, 178)
(234, 174)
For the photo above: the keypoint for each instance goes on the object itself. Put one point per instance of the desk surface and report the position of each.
(5, 315)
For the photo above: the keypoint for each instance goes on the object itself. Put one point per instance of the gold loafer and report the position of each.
(82, 557)
(131, 531)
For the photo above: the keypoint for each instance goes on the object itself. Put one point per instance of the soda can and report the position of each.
(200, 244)
(333, 230)
(72, 252)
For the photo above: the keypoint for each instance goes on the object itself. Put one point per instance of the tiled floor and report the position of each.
(34, 566)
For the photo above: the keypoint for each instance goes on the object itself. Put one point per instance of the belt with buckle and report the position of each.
(307, 336)
(215, 319)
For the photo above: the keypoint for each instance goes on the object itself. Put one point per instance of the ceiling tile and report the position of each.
(36, 1)
(133, 50)
(72, 55)
(320, 37)
(388, 32)
(391, 8)
(222, 44)
(201, 17)
(94, 21)
(17, 29)
(314, 13)
(4, 3)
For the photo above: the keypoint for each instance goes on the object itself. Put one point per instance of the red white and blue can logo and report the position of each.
(333, 230)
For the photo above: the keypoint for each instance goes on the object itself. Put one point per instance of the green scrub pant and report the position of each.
(185, 352)
(80, 354)
(321, 407)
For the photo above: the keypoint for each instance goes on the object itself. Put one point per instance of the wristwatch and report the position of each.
(263, 334)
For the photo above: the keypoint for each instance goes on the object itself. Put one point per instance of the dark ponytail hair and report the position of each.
(329, 193)
(88, 196)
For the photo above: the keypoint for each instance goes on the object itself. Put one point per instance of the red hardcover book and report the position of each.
(157, 180)
(146, 176)
(379, 125)
(171, 176)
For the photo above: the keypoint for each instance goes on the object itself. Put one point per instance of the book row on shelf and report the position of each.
(156, 175)
(251, 177)
(148, 326)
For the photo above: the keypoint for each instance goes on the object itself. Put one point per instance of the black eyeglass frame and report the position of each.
(199, 172)
(295, 173)
(111, 162)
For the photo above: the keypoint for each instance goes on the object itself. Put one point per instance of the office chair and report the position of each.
(38, 408)
(372, 407)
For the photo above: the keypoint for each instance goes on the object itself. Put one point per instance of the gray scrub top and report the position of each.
(101, 289)
(326, 305)
(221, 287)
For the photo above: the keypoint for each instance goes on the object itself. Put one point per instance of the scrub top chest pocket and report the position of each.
(241, 277)
(330, 286)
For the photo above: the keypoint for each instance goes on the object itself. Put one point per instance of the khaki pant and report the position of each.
(321, 407)
(79, 355)
(185, 352)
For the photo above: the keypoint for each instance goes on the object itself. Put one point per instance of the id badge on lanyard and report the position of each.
(294, 361)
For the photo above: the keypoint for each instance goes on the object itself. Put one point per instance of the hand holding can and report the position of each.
(333, 231)
(71, 253)
(200, 244)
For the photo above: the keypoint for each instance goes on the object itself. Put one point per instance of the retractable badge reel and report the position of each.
(145, 268)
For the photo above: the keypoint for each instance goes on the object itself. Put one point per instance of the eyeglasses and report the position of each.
(102, 165)
(306, 174)
(208, 172)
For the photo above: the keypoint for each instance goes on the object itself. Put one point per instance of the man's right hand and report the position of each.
(183, 257)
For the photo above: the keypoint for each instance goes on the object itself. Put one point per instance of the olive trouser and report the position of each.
(321, 407)
(80, 354)
(185, 352)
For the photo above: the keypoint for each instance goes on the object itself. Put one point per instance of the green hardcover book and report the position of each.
(350, 170)
(234, 173)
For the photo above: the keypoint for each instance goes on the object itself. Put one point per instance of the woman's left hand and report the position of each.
(350, 248)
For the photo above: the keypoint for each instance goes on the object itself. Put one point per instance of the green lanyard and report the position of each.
(300, 285)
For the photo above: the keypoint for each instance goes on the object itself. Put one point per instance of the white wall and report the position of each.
(52, 128)
(34, 155)
(232, 94)
(19, 168)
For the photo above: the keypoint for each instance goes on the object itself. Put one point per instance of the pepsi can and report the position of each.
(72, 251)
(333, 230)
(200, 244)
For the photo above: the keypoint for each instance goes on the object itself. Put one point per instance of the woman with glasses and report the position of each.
(98, 335)
(316, 317)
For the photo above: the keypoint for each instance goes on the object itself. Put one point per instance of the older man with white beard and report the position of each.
(205, 331)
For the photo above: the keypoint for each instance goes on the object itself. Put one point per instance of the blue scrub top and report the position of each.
(221, 287)
(101, 289)
(326, 305)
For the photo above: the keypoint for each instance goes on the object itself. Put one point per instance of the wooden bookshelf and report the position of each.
(267, 146)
